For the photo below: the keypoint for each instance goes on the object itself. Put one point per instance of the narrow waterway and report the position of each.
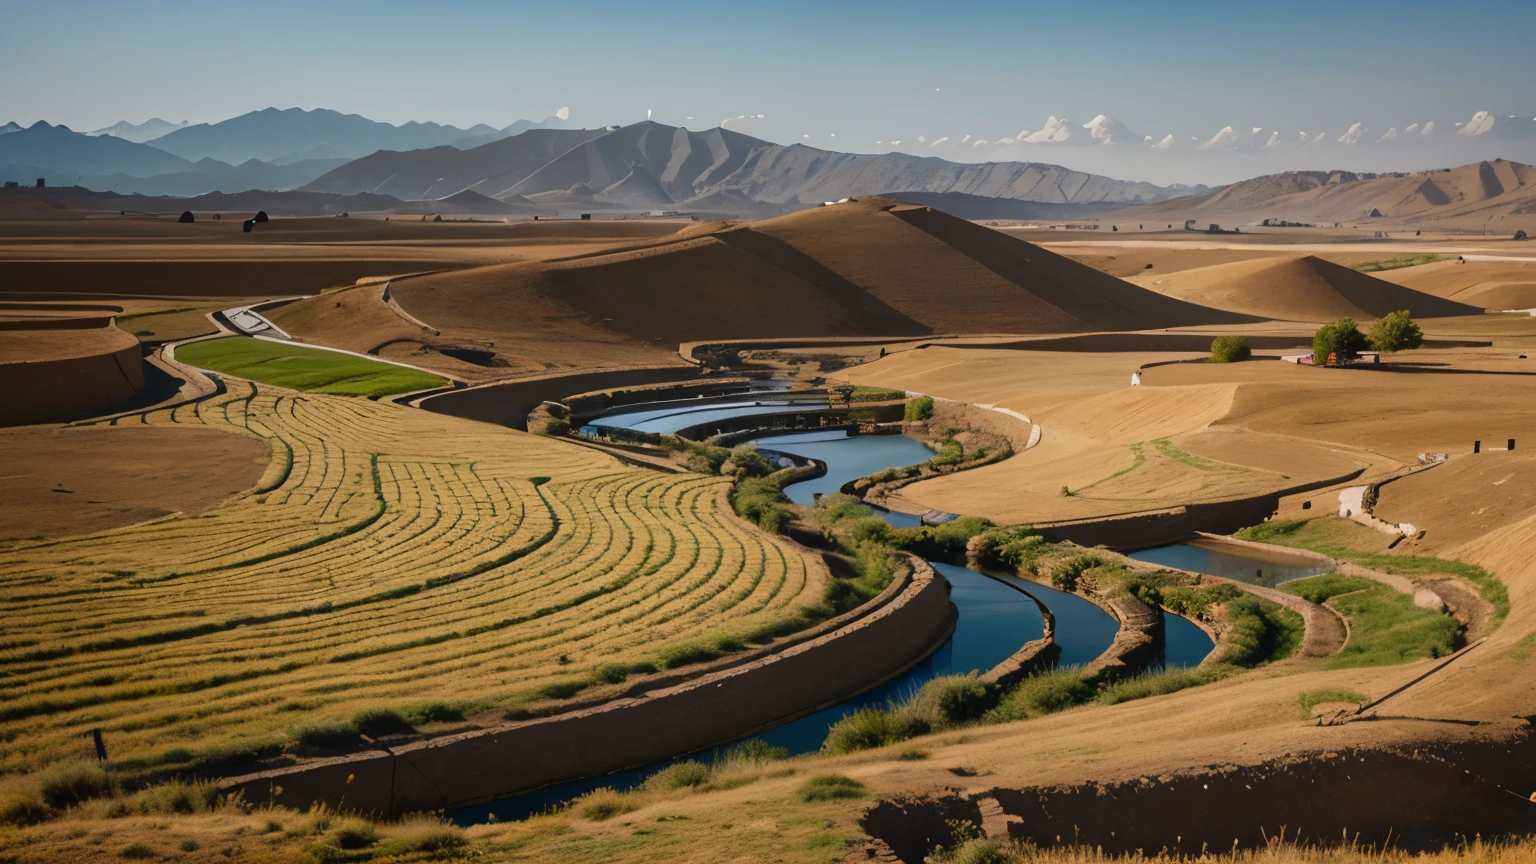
(996, 617)
(1225, 562)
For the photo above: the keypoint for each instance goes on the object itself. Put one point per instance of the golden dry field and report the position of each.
(389, 560)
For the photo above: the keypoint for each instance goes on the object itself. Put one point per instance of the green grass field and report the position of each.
(1385, 627)
(308, 369)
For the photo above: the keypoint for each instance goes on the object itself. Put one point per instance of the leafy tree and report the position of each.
(1396, 331)
(1341, 337)
(1230, 349)
(920, 408)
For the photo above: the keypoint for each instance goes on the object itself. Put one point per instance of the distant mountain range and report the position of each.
(62, 156)
(293, 134)
(1497, 196)
(651, 165)
(150, 129)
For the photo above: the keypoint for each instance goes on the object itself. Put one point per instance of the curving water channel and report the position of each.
(996, 616)
(1265, 569)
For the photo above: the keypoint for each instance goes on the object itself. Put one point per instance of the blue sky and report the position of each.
(864, 71)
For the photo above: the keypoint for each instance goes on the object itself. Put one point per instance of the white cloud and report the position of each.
(980, 142)
(1022, 134)
(1355, 133)
(938, 142)
(1165, 144)
(1318, 139)
(1428, 130)
(564, 113)
(921, 140)
(965, 139)
(1006, 141)
(1481, 123)
(1227, 137)
(1256, 130)
(1274, 141)
(1390, 136)
(1054, 132)
(1408, 130)
(895, 143)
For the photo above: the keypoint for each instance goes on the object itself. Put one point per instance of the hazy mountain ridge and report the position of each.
(274, 133)
(650, 164)
(1488, 195)
(139, 133)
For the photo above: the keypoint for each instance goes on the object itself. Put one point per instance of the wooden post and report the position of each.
(1477, 446)
(101, 746)
(1511, 444)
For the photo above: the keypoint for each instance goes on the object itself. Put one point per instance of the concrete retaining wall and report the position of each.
(71, 388)
(649, 727)
(1161, 527)
(508, 404)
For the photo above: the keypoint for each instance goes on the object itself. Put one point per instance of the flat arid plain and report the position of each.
(368, 537)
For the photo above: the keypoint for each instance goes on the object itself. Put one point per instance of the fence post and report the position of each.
(101, 746)
(1477, 446)
(1511, 444)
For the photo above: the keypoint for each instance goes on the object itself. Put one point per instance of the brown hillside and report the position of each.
(875, 267)
(1300, 289)
(1487, 284)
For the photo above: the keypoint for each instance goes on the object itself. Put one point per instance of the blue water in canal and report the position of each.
(1188, 556)
(995, 617)
(848, 458)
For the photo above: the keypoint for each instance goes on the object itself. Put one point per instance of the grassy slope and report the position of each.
(1385, 626)
(1322, 536)
(305, 368)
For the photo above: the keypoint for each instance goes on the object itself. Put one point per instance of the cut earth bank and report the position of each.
(1205, 432)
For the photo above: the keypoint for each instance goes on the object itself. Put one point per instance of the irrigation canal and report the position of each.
(996, 616)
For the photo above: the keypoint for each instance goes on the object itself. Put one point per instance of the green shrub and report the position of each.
(1396, 331)
(1341, 337)
(1039, 695)
(753, 751)
(22, 807)
(1230, 349)
(426, 835)
(137, 850)
(432, 712)
(1320, 589)
(1260, 631)
(954, 700)
(1066, 574)
(977, 850)
(1309, 699)
(1161, 683)
(761, 501)
(683, 775)
(746, 462)
(686, 654)
(64, 785)
(919, 409)
(377, 722)
(1010, 547)
(177, 796)
(951, 452)
(870, 728)
(601, 804)
(352, 833)
(828, 787)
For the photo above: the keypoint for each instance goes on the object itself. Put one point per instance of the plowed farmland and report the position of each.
(393, 572)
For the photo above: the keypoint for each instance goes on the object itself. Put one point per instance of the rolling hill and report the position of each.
(1299, 288)
(873, 267)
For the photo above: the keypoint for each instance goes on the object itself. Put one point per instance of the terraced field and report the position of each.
(389, 561)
